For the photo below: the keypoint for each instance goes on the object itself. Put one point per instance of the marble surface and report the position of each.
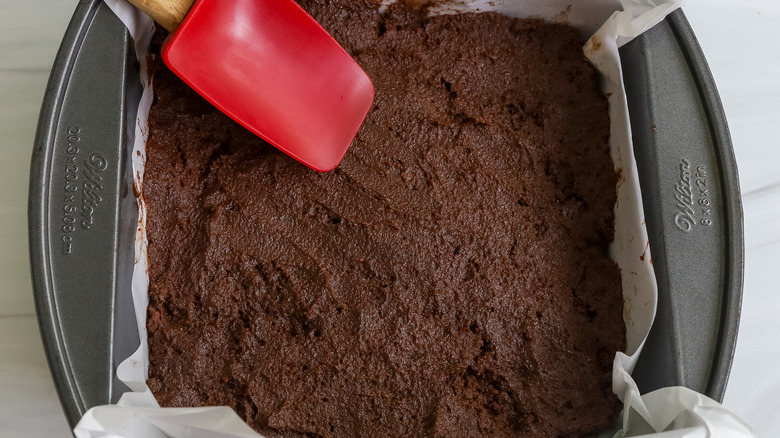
(739, 39)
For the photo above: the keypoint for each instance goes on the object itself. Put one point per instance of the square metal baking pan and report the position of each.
(82, 235)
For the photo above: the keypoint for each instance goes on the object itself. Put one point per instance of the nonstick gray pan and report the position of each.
(82, 236)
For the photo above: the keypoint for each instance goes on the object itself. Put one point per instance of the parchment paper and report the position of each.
(669, 412)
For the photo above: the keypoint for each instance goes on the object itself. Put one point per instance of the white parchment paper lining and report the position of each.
(668, 412)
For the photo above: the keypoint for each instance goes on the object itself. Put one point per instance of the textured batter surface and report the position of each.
(450, 278)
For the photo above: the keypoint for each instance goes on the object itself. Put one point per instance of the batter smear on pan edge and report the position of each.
(450, 278)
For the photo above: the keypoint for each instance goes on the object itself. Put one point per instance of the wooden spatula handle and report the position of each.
(169, 13)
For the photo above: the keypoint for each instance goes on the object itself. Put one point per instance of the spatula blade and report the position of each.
(271, 67)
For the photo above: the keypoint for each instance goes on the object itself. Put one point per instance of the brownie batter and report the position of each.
(449, 278)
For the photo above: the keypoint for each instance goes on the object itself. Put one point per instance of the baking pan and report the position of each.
(83, 217)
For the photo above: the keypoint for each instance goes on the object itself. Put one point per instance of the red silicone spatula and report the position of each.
(268, 65)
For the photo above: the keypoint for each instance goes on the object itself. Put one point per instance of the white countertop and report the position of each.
(740, 40)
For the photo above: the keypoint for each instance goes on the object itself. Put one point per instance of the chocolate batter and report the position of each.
(450, 278)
